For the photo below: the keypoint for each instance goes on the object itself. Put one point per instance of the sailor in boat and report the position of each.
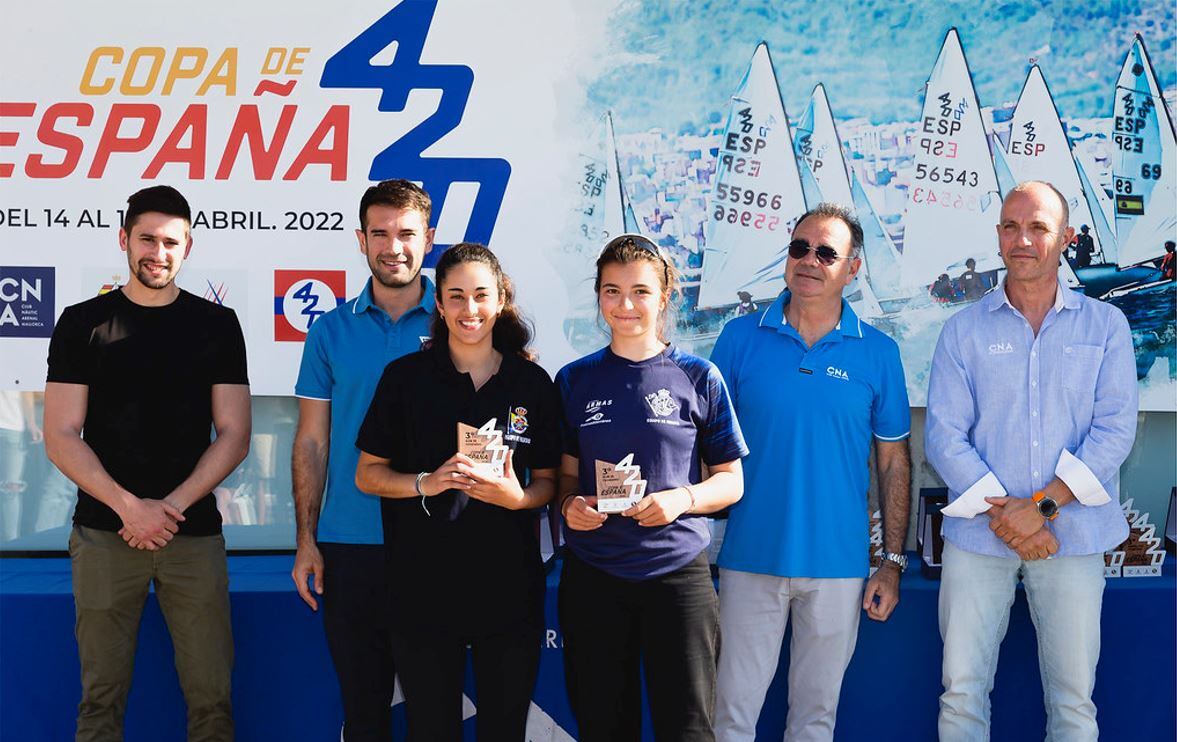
(1168, 264)
(972, 283)
(1084, 247)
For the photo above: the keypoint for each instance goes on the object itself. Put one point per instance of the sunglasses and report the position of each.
(826, 255)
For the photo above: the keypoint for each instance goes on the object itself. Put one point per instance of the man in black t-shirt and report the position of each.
(138, 378)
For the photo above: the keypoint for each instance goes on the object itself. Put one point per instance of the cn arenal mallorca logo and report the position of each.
(26, 301)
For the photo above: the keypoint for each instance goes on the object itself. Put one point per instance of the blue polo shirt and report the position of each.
(808, 415)
(671, 412)
(345, 353)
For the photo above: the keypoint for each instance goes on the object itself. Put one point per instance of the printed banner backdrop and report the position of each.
(542, 128)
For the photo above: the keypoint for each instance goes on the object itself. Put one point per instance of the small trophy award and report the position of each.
(1142, 554)
(876, 541)
(929, 541)
(484, 446)
(1171, 523)
(619, 485)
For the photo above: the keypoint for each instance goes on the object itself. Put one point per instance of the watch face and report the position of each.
(1047, 507)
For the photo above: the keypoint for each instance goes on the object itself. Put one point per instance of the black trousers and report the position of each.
(432, 669)
(356, 613)
(668, 625)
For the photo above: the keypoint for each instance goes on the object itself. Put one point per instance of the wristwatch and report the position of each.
(1047, 507)
(900, 560)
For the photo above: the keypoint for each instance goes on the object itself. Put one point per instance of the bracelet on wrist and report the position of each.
(421, 492)
(690, 494)
(564, 503)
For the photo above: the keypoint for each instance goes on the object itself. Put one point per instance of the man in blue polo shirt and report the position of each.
(346, 351)
(812, 387)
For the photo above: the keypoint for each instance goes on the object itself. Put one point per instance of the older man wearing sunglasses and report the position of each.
(813, 387)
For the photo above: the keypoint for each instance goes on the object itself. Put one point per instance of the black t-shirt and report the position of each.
(150, 372)
(469, 568)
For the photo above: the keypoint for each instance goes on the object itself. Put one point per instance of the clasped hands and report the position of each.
(149, 524)
(655, 509)
(460, 472)
(1017, 522)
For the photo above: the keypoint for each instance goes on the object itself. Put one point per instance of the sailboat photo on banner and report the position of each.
(756, 197)
(953, 200)
(823, 180)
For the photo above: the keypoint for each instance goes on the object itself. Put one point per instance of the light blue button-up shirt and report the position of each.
(1008, 411)
(345, 353)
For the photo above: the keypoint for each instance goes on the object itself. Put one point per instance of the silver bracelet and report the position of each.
(417, 487)
(690, 494)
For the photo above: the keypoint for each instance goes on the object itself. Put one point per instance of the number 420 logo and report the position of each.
(301, 297)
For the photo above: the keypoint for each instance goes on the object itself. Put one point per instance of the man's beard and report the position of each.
(393, 282)
(155, 282)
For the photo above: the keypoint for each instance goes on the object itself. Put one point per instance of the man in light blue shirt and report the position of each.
(814, 389)
(344, 356)
(1032, 407)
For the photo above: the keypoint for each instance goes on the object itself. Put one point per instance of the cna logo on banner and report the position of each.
(301, 297)
(26, 302)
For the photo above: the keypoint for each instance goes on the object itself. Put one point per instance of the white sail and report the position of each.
(952, 200)
(879, 255)
(1144, 162)
(817, 144)
(1100, 207)
(756, 198)
(1040, 150)
(1005, 175)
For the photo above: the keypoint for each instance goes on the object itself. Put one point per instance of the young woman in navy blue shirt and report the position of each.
(464, 562)
(636, 589)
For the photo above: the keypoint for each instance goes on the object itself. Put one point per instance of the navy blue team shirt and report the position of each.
(671, 412)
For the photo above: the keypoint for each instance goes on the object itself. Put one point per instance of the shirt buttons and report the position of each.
(1033, 413)
(1035, 475)
(1067, 349)
(1034, 383)
(1035, 444)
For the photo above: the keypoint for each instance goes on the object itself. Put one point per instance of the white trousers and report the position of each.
(753, 611)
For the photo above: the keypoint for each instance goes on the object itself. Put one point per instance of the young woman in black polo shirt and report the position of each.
(464, 557)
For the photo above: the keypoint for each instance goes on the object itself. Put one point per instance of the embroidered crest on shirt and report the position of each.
(661, 402)
(518, 420)
(837, 373)
(1000, 348)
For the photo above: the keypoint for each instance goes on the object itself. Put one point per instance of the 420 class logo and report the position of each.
(301, 297)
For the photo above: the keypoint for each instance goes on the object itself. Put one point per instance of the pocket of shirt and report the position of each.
(1080, 368)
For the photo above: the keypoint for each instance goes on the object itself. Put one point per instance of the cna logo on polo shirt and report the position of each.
(26, 301)
(301, 297)
(836, 373)
(1000, 348)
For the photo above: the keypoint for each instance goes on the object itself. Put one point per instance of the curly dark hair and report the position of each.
(512, 332)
